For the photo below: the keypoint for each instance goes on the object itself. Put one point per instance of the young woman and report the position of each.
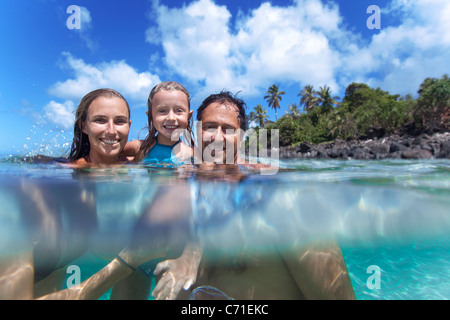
(101, 129)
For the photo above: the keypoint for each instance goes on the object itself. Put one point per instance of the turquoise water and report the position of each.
(394, 215)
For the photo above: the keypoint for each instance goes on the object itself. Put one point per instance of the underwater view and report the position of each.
(225, 150)
(390, 218)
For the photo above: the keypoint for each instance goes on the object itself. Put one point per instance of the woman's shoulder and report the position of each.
(78, 163)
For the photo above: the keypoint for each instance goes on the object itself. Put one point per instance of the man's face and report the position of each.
(220, 132)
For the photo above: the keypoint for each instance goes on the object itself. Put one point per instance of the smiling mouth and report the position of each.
(171, 127)
(110, 141)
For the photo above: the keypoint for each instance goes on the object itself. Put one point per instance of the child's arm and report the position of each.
(131, 148)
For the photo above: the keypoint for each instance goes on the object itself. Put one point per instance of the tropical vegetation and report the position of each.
(361, 111)
(274, 97)
(259, 114)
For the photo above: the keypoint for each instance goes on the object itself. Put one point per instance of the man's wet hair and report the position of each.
(226, 97)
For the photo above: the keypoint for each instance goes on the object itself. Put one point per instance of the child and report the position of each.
(169, 115)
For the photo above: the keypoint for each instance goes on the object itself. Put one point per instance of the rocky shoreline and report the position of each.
(395, 146)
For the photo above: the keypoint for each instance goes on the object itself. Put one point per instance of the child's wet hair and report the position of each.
(167, 85)
(151, 137)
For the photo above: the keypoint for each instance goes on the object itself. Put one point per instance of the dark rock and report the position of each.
(359, 154)
(379, 147)
(423, 138)
(305, 147)
(445, 150)
(395, 146)
(416, 154)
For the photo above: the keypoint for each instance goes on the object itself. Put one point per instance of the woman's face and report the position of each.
(107, 126)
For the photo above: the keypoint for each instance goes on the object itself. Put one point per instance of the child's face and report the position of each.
(170, 115)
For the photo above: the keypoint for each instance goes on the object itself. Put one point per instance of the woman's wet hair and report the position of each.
(226, 97)
(152, 133)
(80, 145)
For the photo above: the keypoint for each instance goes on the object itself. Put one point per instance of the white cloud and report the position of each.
(85, 31)
(306, 43)
(289, 44)
(61, 114)
(404, 55)
(117, 75)
(86, 18)
(196, 41)
(272, 43)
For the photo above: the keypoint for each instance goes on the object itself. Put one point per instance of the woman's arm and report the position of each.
(94, 287)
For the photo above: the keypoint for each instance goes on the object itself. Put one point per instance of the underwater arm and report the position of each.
(94, 287)
(16, 276)
(172, 209)
(319, 270)
(178, 273)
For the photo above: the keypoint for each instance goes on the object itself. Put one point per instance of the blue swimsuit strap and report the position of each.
(164, 145)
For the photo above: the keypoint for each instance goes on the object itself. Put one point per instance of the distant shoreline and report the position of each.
(394, 146)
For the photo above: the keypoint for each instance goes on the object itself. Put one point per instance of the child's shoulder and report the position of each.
(132, 148)
(183, 151)
(186, 149)
(134, 143)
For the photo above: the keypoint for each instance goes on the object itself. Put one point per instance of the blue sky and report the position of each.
(207, 45)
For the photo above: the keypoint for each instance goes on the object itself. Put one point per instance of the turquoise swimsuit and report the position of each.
(161, 154)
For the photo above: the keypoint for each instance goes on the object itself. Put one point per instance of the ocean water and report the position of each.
(391, 218)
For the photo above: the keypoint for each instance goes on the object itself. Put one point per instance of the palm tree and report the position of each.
(308, 98)
(327, 102)
(259, 115)
(294, 110)
(273, 98)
